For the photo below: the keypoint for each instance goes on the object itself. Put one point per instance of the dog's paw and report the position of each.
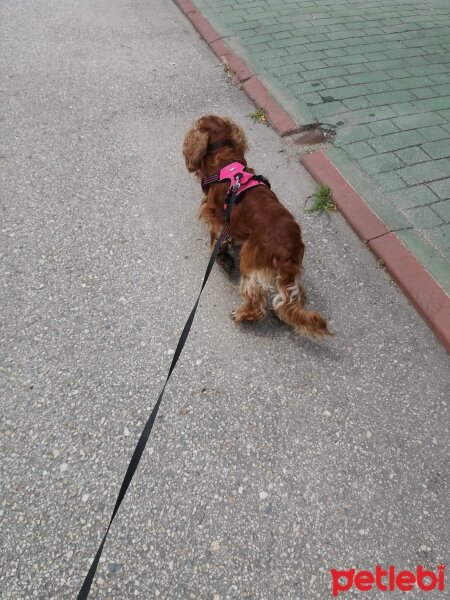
(235, 315)
(242, 314)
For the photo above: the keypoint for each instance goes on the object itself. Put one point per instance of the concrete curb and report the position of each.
(425, 294)
(429, 299)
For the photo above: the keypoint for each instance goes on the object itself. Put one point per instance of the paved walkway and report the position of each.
(274, 458)
(380, 71)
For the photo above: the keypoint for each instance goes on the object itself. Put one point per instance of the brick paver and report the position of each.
(380, 71)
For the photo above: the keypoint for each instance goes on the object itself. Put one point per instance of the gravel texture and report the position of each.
(274, 458)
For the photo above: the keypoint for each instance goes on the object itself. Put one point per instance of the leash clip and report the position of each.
(237, 184)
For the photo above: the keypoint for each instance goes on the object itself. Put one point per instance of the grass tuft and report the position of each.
(258, 115)
(322, 200)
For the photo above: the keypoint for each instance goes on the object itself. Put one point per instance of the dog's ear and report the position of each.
(194, 148)
(236, 135)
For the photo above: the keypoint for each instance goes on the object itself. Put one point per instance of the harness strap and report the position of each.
(206, 181)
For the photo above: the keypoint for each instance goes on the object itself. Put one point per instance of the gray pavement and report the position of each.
(275, 458)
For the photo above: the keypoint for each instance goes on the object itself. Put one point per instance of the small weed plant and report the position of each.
(258, 115)
(322, 200)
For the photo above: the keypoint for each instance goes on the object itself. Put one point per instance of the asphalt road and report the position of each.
(275, 458)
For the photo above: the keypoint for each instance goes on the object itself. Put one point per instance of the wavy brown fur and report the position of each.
(272, 248)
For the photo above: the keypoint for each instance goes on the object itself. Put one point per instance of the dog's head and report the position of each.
(208, 130)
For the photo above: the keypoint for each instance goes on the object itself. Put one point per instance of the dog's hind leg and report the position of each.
(255, 286)
(254, 295)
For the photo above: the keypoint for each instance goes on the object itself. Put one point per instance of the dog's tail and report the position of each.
(288, 303)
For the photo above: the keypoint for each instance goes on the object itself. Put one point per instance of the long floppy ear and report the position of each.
(194, 148)
(236, 135)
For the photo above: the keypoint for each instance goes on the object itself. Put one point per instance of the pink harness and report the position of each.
(237, 175)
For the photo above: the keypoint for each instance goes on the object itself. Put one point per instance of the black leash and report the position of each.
(140, 447)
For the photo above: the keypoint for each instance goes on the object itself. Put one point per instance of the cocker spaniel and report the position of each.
(272, 248)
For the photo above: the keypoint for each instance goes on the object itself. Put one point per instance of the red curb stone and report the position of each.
(213, 39)
(365, 222)
(240, 69)
(219, 48)
(186, 6)
(201, 23)
(203, 26)
(425, 294)
(280, 120)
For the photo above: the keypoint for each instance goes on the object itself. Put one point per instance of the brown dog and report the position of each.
(272, 247)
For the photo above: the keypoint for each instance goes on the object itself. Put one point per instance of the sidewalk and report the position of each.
(380, 72)
(274, 458)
